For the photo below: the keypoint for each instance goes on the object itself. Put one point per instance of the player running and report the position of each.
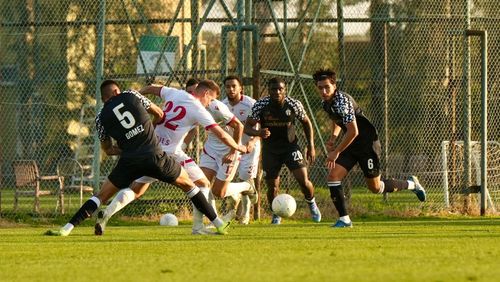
(360, 144)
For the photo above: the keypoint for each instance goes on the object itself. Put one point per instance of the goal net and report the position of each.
(454, 174)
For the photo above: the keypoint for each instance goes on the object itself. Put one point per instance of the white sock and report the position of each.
(96, 200)
(68, 227)
(211, 201)
(218, 222)
(311, 200)
(198, 215)
(381, 186)
(345, 218)
(411, 185)
(235, 188)
(205, 191)
(121, 200)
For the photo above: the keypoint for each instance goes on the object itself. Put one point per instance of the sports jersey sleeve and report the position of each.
(204, 118)
(257, 109)
(344, 108)
(167, 92)
(297, 106)
(145, 102)
(101, 132)
(221, 112)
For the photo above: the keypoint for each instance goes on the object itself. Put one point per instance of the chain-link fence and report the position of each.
(407, 63)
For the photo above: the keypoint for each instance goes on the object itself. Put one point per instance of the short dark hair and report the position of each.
(105, 84)
(209, 84)
(233, 77)
(192, 81)
(276, 80)
(323, 74)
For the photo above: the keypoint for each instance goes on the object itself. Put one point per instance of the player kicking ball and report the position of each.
(125, 118)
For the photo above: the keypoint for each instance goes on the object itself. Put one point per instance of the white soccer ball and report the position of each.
(169, 219)
(284, 205)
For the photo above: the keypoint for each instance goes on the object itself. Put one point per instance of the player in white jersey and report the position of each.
(219, 162)
(241, 106)
(182, 112)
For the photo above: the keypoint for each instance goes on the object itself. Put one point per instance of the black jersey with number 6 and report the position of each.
(125, 119)
(343, 109)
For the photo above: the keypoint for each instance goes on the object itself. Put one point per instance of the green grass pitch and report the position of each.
(393, 250)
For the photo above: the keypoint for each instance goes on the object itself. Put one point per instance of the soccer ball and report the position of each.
(284, 205)
(168, 219)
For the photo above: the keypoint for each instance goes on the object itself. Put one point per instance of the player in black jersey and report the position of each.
(125, 118)
(360, 144)
(276, 114)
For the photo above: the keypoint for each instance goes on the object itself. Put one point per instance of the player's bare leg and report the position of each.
(390, 185)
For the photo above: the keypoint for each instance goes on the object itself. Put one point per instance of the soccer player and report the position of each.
(125, 118)
(360, 144)
(241, 106)
(182, 112)
(276, 114)
(220, 163)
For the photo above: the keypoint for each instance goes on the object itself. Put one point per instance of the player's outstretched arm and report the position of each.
(227, 139)
(156, 112)
(151, 89)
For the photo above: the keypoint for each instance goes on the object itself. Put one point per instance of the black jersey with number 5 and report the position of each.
(125, 119)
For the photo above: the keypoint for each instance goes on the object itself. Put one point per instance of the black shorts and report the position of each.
(367, 156)
(272, 162)
(161, 166)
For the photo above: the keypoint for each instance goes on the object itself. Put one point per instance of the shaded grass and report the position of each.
(396, 250)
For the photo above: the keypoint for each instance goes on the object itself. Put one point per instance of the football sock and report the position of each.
(411, 185)
(393, 185)
(197, 215)
(122, 199)
(211, 200)
(200, 202)
(235, 188)
(311, 200)
(218, 222)
(86, 211)
(345, 219)
(337, 195)
(381, 187)
(68, 227)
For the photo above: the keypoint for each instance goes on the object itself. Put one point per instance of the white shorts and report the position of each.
(193, 170)
(213, 160)
(249, 164)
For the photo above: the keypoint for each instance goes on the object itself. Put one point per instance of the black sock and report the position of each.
(337, 195)
(86, 211)
(394, 185)
(201, 203)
